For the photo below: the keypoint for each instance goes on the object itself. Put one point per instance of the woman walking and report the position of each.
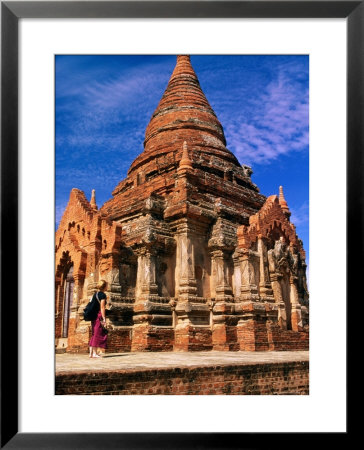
(99, 336)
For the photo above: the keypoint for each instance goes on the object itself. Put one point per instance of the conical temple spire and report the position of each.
(183, 114)
(185, 104)
(183, 67)
(283, 203)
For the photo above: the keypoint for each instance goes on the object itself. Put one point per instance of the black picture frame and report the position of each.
(11, 12)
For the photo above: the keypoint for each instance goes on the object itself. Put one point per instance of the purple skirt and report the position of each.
(99, 337)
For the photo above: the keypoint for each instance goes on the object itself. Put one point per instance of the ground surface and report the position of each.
(71, 363)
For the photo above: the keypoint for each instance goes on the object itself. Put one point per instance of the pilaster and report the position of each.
(146, 287)
(187, 286)
(192, 315)
(221, 246)
(237, 275)
(265, 287)
(296, 316)
(219, 259)
(249, 289)
(252, 333)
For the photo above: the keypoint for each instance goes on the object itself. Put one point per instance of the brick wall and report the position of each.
(256, 379)
(119, 340)
(248, 336)
(150, 338)
(287, 339)
(190, 338)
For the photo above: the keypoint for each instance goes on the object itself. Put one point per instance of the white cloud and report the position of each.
(272, 124)
(300, 216)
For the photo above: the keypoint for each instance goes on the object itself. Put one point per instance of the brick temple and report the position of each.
(195, 257)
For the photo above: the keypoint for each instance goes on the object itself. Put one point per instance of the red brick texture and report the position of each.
(271, 216)
(247, 336)
(194, 256)
(190, 338)
(148, 338)
(259, 379)
(286, 339)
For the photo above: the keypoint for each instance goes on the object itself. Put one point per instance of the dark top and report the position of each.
(101, 296)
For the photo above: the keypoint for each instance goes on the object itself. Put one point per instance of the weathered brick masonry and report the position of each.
(195, 257)
(255, 379)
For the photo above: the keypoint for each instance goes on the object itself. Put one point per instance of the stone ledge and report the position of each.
(268, 373)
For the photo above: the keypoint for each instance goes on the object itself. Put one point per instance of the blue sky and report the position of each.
(104, 104)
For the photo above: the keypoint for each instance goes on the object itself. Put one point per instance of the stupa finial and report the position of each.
(185, 162)
(283, 203)
(93, 199)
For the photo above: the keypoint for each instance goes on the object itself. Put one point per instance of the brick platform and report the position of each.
(200, 373)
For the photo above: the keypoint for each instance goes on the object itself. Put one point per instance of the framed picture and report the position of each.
(13, 219)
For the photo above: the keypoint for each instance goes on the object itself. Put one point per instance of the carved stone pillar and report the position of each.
(185, 258)
(76, 301)
(223, 307)
(76, 296)
(252, 333)
(296, 316)
(141, 317)
(249, 289)
(77, 293)
(265, 287)
(114, 284)
(276, 287)
(293, 290)
(93, 253)
(58, 312)
(278, 299)
(221, 246)
(146, 274)
(149, 312)
(146, 289)
(192, 331)
(221, 274)
(78, 336)
(237, 275)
